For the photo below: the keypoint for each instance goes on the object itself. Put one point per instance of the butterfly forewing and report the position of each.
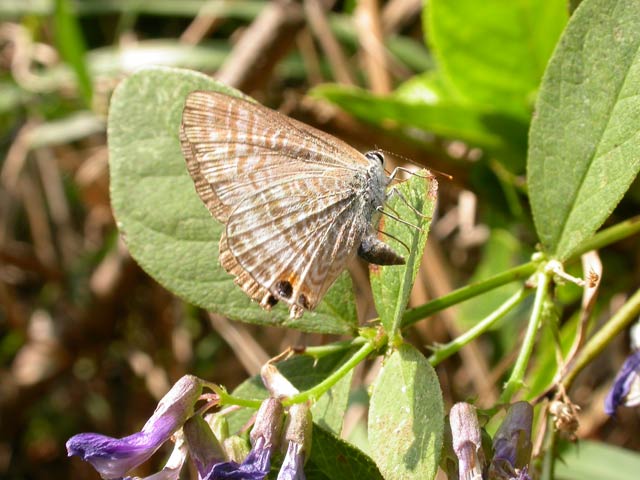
(285, 191)
(237, 146)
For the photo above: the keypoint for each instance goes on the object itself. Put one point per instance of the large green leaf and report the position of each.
(430, 112)
(167, 228)
(406, 417)
(589, 460)
(584, 147)
(334, 459)
(494, 52)
(392, 285)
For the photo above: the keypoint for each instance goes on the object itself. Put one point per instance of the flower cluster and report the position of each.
(203, 439)
(510, 452)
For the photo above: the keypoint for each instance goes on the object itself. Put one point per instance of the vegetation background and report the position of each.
(89, 342)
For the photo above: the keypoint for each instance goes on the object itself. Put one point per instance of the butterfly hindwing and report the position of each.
(295, 240)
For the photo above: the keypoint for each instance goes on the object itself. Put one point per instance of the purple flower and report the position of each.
(255, 467)
(113, 457)
(512, 444)
(626, 386)
(204, 447)
(298, 434)
(265, 438)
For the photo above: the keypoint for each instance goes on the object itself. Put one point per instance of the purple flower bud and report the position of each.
(204, 447)
(113, 457)
(467, 440)
(512, 444)
(265, 437)
(298, 436)
(626, 386)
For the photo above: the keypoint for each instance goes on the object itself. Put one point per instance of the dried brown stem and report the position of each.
(261, 46)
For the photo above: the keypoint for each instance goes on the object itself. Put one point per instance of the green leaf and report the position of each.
(584, 147)
(430, 112)
(71, 46)
(167, 228)
(406, 418)
(494, 52)
(392, 285)
(589, 460)
(334, 459)
(304, 372)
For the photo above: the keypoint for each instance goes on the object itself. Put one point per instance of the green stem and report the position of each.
(626, 315)
(608, 236)
(324, 350)
(548, 464)
(445, 351)
(516, 379)
(469, 291)
(317, 391)
(313, 393)
(228, 399)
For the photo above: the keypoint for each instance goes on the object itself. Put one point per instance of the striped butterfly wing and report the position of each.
(285, 192)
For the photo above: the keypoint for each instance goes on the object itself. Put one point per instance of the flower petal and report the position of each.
(113, 457)
(172, 468)
(291, 468)
(626, 382)
(203, 446)
(255, 467)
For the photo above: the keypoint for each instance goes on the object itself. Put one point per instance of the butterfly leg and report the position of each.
(377, 252)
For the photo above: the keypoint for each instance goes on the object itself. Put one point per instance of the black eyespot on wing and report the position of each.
(272, 301)
(375, 155)
(284, 289)
(303, 301)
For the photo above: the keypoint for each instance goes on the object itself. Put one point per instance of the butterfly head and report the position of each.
(375, 156)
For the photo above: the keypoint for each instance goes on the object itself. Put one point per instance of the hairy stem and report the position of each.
(516, 379)
(469, 291)
(317, 391)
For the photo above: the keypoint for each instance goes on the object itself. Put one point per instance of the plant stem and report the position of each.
(468, 291)
(324, 350)
(517, 375)
(622, 318)
(608, 236)
(315, 392)
(228, 399)
(548, 463)
(445, 351)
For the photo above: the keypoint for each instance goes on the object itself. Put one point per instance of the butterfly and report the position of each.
(297, 203)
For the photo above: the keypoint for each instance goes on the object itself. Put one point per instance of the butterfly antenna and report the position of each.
(407, 159)
(396, 239)
(398, 193)
(398, 219)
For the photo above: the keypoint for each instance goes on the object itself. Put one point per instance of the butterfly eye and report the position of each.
(375, 155)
